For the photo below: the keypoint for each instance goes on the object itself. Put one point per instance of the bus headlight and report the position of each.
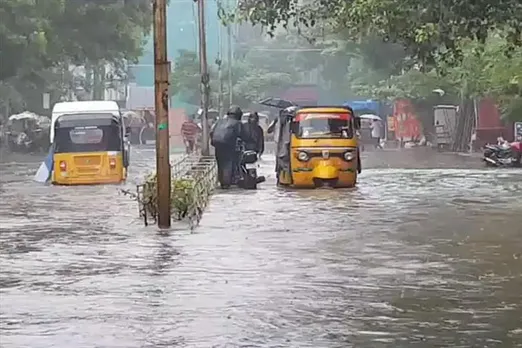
(349, 155)
(302, 156)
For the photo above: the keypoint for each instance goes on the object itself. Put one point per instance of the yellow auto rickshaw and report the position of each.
(317, 146)
(89, 149)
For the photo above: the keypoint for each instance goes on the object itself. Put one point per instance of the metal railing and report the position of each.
(194, 179)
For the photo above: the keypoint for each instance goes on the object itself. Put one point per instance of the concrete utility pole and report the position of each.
(229, 58)
(219, 63)
(221, 108)
(161, 93)
(205, 80)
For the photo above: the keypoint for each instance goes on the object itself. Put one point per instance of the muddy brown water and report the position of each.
(425, 252)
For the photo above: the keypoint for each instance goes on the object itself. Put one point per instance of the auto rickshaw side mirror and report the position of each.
(294, 127)
(127, 131)
(357, 123)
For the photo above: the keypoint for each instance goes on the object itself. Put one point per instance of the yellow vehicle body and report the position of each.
(89, 149)
(88, 168)
(332, 162)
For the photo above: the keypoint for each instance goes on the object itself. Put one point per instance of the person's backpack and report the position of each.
(225, 132)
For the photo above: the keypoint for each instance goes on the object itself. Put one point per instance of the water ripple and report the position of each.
(411, 257)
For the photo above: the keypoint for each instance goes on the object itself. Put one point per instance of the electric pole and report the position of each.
(229, 58)
(205, 80)
(220, 92)
(219, 63)
(161, 102)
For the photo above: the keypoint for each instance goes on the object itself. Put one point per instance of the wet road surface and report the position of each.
(412, 257)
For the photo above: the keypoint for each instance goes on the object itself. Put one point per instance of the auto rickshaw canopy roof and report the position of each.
(86, 120)
(294, 111)
(41, 121)
(324, 112)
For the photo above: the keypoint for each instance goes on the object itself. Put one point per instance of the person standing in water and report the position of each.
(376, 128)
(224, 136)
(190, 131)
(255, 134)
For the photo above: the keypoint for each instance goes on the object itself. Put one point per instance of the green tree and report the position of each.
(255, 74)
(26, 36)
(483, 71)
(110, 31)
(426, 29)
(41, 39)
(185, 80)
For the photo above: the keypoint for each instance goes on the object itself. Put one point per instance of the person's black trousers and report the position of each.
(226, 163)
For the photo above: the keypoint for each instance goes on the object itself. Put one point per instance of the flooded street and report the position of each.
(425, 252)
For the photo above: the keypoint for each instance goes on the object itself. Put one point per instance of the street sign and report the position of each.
(46, 101)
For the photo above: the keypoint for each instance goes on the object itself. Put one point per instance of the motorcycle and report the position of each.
(506, 155)
(247, 177)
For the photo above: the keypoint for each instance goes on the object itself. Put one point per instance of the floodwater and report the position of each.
(425, 252)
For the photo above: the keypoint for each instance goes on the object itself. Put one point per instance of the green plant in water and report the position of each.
(181, 196)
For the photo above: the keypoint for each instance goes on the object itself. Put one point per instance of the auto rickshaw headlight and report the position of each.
(302, 156)
(349, 155)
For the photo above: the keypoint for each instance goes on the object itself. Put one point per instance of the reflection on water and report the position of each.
(422, 258)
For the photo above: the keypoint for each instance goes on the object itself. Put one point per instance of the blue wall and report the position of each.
(182, 34)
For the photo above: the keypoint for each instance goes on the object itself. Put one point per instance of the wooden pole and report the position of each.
(205, 88)
(161, 93)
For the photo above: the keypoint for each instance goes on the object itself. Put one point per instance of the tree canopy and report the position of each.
(468, 49)
(39, 37)
(260, 69)
(427, 29)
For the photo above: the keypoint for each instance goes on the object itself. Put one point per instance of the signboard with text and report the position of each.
(518, 131)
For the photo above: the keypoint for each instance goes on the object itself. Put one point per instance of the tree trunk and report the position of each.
(465, 124)
(99, 81)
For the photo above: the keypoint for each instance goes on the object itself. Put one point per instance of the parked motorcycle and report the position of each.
(28, 132)
(505, 155)
(247, 171)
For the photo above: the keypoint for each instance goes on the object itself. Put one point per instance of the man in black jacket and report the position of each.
(224, 136)
(255, 134)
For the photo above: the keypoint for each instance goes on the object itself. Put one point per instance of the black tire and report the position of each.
(488, 153)
(250, 180)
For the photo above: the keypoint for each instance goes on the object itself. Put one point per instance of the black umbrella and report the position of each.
(276, 103)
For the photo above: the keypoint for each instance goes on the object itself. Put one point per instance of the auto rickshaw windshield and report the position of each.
(312, 126)
(93, 134)
(87, 139)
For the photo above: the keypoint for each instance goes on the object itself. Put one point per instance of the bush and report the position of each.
(181, 196)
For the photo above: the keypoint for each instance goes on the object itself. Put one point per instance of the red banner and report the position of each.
(406, 124)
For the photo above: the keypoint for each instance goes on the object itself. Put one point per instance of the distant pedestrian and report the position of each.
(376, 128)
(190, 131)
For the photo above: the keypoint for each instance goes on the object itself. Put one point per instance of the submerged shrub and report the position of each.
(181, 196)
